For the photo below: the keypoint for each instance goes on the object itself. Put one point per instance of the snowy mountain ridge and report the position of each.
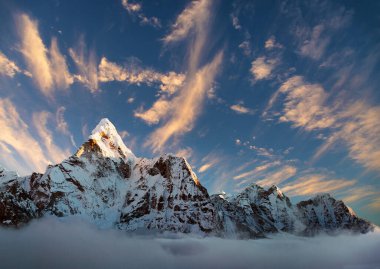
(107, 185)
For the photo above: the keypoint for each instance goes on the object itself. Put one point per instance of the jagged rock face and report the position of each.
(261, 210)
(167, 196)
(233, 220)
(16, 205)
(324, 213)
(269, 208)
(106, 184)
(258, 211)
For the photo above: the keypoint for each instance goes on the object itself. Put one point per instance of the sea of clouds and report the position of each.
(52, 243)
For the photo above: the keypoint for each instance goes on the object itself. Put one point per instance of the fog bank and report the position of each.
(51, 243)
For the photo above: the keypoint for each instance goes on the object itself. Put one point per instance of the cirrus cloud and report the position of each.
(315, 183)
(194, 23)
(109, 71)
(48, 67)
(355, 123)
(19, 149)
(241, 109)
(186, 106)
(8, 67)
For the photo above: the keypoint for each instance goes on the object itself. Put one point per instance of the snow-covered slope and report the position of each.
(324, 213)
(16, 206)
(106, 184)
(258, 211)
(261, 210)
(109, 143)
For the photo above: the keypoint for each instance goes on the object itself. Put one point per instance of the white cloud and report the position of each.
(153, 115)
(8, 67)
(135, 9)
(131, 7)
(85, 131)
(239, 108)
(315, 183)
(195, 15)
(86, 64)
(360, 129)
(260, 151)
(20, 151)
(204, 167)
(62, 125)
(209, 161)
(235, 22)
(355, 123)
(186, 153)
(169, 82)
(152, 21)
(40, 121)
(257, 170)
(313, 40)
(79, 245)
(35, 53)
(47, 72)
(187, 106)
(304, 105)
(262, 67)
(315, 46)
(58, 67)
(16, 137)
(359, 193)
(271, 44)
(193, 22)
(375, 204)
(245, 46)
(279, 176)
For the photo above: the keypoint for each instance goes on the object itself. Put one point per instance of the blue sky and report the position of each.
(272, 92)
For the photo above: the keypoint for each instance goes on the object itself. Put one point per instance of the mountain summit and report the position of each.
(106, 184)
(105, 140)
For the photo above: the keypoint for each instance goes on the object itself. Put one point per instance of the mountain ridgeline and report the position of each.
(106, 184)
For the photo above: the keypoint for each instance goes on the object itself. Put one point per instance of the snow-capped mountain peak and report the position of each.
(107, 185)
(108, 142)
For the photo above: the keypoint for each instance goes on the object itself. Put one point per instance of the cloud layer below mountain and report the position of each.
(50, 243)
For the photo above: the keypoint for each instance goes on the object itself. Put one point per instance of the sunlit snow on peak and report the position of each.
(107, 138)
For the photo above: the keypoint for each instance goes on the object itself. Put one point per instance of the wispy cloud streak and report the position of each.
(193, 23)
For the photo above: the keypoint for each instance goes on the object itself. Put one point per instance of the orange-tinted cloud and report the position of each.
(315, 183)
(47, 67)
(187, 105)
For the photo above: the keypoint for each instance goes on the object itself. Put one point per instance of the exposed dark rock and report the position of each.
(124, 169)
(164, 167)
